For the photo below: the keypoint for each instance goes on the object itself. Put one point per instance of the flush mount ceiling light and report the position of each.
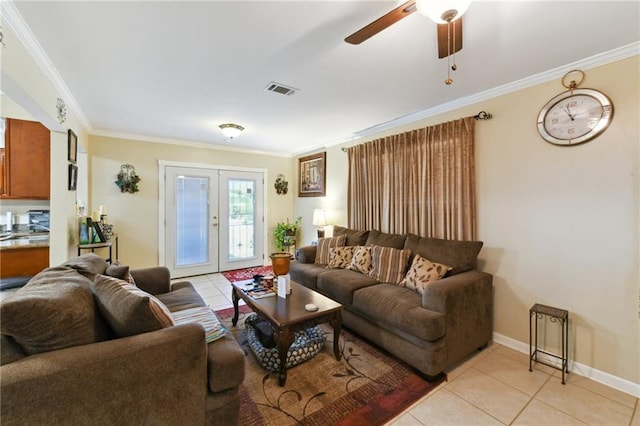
(231, 130)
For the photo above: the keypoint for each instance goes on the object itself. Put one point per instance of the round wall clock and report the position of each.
(575, 116)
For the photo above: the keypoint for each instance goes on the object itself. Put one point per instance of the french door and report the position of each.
(213, 220)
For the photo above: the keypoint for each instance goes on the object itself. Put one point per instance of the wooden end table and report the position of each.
(287, 316)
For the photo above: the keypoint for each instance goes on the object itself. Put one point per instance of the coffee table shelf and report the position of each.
(288, 315)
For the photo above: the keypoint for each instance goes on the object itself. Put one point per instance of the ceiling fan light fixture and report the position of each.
(442, 11)
(231, 130)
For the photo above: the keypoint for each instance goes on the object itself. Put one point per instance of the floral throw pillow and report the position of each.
(340, 257)
(422, 273)
(325, 244)
(389, 264)
(361, 261)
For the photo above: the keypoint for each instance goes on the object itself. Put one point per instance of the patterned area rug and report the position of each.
(366, 387)
(247, 273)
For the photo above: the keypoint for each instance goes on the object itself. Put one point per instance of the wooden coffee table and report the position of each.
(288, 316)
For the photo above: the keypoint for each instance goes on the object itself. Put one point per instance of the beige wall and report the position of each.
(559, 224)
(31, 94)
(135, 216)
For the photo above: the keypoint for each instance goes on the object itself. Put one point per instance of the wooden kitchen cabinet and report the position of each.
(23, 262)
(25, 161)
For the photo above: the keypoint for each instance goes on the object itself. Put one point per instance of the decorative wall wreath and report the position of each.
(128, 179)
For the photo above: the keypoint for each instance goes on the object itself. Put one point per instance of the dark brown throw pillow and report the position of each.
(128, 309)
(52, 315)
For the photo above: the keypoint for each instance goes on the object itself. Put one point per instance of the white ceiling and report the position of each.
(178, 69)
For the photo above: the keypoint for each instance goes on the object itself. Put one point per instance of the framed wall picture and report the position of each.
(72, 141)
(312, 175)
(73, 177)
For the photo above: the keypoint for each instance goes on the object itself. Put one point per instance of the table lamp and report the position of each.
(319, 220)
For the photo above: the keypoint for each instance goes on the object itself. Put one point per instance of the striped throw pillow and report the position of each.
(204, 316)
(324, 247)
(389, 264)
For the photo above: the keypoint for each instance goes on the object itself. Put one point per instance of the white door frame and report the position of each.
(163, 164)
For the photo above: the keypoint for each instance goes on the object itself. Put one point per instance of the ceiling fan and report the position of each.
(448, 18)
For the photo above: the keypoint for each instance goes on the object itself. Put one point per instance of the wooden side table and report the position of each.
(537, 312)
(107, 244)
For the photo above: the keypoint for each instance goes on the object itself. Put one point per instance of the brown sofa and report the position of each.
(61, 363)
(450, 320)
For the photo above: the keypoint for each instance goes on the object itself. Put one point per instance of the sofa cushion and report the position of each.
(305, 273)
(127, 309)
(182, 296)
(339, 284)
(55, 310)
(354, 238)
(377, 238)
(340, 257)
(389, 264)
(422, 272)
(324, 245)
(462, 256)
(400, 311)
(361, 261)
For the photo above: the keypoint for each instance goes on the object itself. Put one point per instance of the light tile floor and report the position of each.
(495, 387)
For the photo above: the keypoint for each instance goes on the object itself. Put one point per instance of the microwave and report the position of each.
(38, 220)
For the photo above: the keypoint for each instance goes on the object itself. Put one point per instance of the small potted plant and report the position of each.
(285, 232)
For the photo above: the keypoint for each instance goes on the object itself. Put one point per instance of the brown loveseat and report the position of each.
(430, 331)
(63, 364)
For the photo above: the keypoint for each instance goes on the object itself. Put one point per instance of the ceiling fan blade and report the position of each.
(383, 22)
(456, 34)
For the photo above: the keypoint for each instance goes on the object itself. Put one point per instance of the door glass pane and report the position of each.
(241, 219)
(192, 211)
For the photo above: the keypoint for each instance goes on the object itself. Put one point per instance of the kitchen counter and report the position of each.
(22, 241)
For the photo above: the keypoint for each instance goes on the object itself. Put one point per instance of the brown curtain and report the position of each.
(420, 182)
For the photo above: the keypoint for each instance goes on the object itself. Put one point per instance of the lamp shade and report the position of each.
(231, 130)
(319, 218)
(442, 11)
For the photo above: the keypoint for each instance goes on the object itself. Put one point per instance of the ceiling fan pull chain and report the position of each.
(449, 80)
(454, 66)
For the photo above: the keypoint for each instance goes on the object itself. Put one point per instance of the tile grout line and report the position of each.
(634, 412)
(471, 403)
(531, 399)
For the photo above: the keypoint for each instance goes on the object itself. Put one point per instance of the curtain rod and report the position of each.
(482, 115)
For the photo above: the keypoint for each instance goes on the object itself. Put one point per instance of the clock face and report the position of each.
(575, 117)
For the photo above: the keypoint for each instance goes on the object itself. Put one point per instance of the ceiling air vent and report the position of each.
(280, 88)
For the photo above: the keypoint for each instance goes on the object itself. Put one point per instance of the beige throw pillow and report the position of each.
(422, 273)
(361, 261)
(127, 309)
(340, 257)
(324, 245)
(389, 264)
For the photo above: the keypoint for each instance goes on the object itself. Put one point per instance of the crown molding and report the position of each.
(604, 58)
(12, 17)
(186, 143)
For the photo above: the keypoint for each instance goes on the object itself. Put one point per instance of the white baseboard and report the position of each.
(575, 367)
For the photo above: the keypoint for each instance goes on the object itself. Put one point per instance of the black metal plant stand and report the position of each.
(537, 312)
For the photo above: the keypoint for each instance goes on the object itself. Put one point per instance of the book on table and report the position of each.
(260, 292)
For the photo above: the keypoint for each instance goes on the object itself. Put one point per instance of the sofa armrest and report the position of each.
(156, 280)
(466, 300)
(148, 378)
(306, 254)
